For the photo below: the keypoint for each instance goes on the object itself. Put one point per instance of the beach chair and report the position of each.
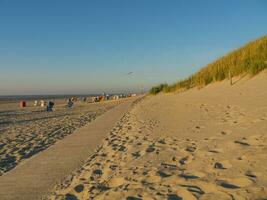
(43, 103)
(49, 107)
(23, 104)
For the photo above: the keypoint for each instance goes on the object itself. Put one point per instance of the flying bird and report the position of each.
(129, 73)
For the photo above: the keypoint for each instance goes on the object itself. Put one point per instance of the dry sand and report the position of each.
(200, 144)
(36, 176)
(25, 132)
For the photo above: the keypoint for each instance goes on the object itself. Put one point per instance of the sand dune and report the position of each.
(200, 144)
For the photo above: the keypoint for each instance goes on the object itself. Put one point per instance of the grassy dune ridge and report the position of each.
(249, 59)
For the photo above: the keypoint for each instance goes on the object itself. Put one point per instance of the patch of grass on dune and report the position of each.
(249, 59)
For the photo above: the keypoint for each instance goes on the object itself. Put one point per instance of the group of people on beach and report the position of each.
(49, 105)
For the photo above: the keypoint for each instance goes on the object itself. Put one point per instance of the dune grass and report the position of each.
(249, 59)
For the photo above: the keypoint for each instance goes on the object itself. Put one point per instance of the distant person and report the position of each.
(43, 103)
(35, 103)
(49, 107)
(70, 103)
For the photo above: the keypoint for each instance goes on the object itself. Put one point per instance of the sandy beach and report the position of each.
(26, 131)
(207, 143)
(133, 100)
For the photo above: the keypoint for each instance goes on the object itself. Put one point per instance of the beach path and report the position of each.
(36, 176)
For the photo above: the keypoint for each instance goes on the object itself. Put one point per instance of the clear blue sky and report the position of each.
(88, 46)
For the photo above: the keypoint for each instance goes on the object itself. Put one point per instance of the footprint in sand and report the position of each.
(243, 157)
(163, 174)
(195, 190)
(216, 150)
(169, 166)
(162, 141)
(122, 148)
(226, 132)
(79, 188)
(136, 154)
(150, 149)
(242, 141)
(97, 172)
(234, 183)
(152, 179)
(69, 196)
(174, 197)
(217, 196)
(191, 149)
(186, 160)
(222, 165)
(116, 182)
(252, 174)
(132, 198)
(253, 140)
(188, 175)
(185, 194)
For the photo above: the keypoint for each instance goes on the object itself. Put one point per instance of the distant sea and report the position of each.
(45, 97)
